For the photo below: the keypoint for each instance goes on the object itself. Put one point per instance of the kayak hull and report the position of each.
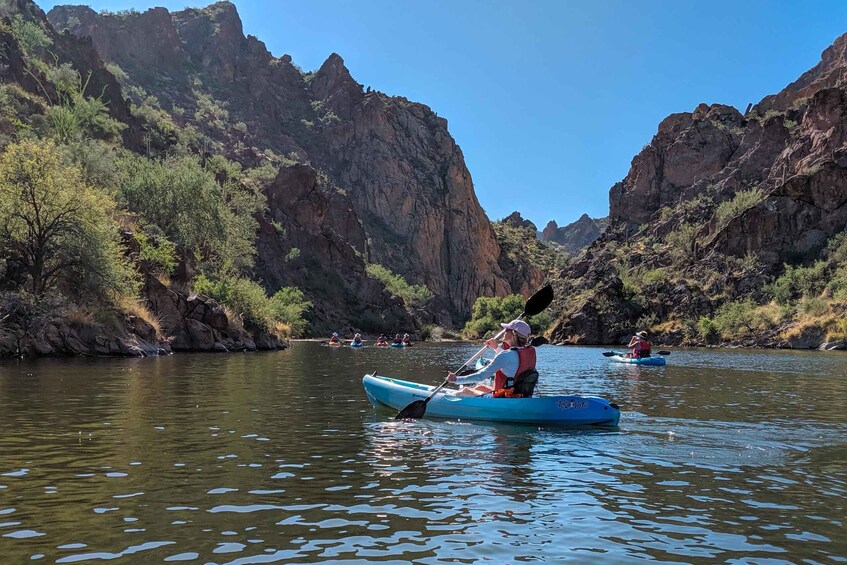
(550, 410)
(357, 345)
(397, 345)
(658, 360)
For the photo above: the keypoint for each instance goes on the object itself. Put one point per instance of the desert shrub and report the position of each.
(213, 222)
(415, 296)
(707, 330)
(252, 305)
(488, 313)
(743, 200)
(74, 115)
(30, 36)
(812, 307)
(684, 244)
(796, 282)
(157, 251)
(742, 318)
(97, 161)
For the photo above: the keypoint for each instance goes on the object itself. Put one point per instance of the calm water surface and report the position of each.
(727, 456)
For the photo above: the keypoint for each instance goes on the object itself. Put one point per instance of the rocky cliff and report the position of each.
(401, 192)
(712, 208)
(575, 236)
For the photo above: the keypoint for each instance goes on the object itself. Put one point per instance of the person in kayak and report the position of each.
(640, 346)
(334, 338)
(407, 341)
(514, 357)
(397, 339)
(382, 340)
(357, 339)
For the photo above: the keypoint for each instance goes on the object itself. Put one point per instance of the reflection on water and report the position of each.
(278, 457)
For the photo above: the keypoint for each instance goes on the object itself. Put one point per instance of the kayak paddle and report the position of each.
(535, 305)
(612, 353)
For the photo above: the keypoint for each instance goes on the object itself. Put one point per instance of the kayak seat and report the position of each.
(525, 383)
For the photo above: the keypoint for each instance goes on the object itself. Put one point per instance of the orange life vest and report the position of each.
(526, 361)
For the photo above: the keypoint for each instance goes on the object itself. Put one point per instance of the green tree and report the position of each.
(413, 295)
(488, 313)
(57, 227)
(211, 221)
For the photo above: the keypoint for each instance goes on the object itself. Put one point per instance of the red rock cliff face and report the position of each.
(405, 176)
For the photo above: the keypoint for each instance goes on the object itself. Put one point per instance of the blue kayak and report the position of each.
(354, 344)
(398, 345)
(547, 410)
(658, 360)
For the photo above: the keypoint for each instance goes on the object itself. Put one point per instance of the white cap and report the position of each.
(519, 327)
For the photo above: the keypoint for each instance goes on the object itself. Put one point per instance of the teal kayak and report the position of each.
(658, 360)
(397, 344)
(549, 410)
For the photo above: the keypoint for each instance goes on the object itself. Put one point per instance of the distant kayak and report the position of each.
(354, 344)
(334, 344)
(380, 344)
(398, 345)
(548, 410)
(658, 360)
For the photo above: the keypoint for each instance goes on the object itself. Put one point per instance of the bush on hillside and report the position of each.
(488, 313)
(280, 315)
(414, 296)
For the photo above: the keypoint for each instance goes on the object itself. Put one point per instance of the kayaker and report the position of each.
(382, 340)
(334, 338)
(357, 339)
(407, 341)
(513, 358)
(398, 339)
(640, 346)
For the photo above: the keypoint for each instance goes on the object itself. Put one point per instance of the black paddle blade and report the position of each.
(609, 354)
(415, 410)
(539, 301)
(663, 352)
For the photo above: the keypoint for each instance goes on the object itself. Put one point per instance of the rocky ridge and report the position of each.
(409, 193)
(575, 236)
(712, 208)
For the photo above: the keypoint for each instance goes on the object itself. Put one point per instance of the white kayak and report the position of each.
(555, 410)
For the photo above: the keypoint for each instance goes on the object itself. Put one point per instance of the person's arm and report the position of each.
(632, 342)
(502, 360)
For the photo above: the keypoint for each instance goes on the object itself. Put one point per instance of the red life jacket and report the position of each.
(641, 349)
(526, 361)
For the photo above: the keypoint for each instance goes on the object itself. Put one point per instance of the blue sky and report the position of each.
(549, 99)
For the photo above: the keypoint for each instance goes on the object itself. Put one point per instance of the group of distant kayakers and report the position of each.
(382, 341)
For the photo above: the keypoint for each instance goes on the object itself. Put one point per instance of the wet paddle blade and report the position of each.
(663, 352)
(539, 301)
(609, 354)
(415, 411)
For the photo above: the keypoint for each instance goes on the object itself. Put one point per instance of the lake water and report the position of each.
(722, 455)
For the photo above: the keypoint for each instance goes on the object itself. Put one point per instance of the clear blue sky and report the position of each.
(549, 99)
